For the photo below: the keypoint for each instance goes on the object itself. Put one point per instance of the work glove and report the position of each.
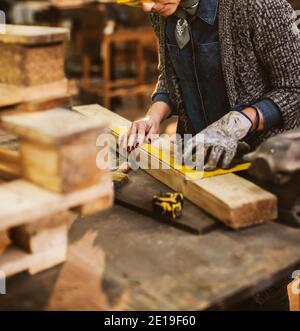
(220, 140)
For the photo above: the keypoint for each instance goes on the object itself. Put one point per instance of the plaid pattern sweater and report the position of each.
(260, 48)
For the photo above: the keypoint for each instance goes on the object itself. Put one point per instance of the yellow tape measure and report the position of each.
(188, 172)
(133, 3)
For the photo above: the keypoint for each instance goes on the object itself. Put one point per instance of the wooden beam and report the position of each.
(15, 260)
(22, 202)
(294, 294)
(231, 199)
(44, 233)
(9, 164)
(58, 148)
(32, 35)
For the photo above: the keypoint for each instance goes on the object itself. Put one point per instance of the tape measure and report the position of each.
(169, 205)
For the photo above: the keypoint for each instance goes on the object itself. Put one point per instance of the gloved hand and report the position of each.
(221, 140)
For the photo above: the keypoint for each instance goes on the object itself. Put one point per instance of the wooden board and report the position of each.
(231, 199)
(294, 294)
(22, 202)
(55, 126)
(43, 234)
(53, 90)
(15, 260)
(36, 105)
(58, 149)
(32, 35)
(9, 163)
(10, 95)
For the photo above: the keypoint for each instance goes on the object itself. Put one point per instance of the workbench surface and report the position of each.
(122, 260)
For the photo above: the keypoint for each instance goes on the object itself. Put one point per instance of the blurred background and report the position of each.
(111, 56)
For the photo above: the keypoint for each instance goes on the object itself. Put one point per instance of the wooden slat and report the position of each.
(294, 294)
(15, 260)
(22, 202)
(12, 95)
(54, 126)
(44, 233)
(32, 35)
(231, 199)
(9, 163)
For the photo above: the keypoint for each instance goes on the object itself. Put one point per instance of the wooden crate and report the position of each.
(37, 221)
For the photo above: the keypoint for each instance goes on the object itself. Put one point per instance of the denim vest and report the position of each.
(198, 66)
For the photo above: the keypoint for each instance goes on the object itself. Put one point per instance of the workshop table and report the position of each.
(123, 260)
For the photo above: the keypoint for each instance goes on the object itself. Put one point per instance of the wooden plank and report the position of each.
(10, 95)
(58, 149)
(22, 202)
(20, 94)
(15, 260)
(231, 199)
(43, 234)
(52, 127)
(140, 190)
(9, 163)
(4, 240)
(32, 35)
(294, 294)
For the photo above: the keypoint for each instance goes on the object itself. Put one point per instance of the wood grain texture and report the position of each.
(43, 234)
(154, 267)
(231, 199)
(22, 202)
(294, 294)
(65, 168)
(53, 127)
(15, 260)
(17, 95)
(32, 35)
(10, 163)
(58, 149)
(10, 95)
(29, 66)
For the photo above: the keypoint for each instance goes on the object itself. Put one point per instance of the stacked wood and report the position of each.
(32, 66)
(56, 163)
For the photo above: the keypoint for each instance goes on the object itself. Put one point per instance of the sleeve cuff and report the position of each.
(163, 97)
(270, 111)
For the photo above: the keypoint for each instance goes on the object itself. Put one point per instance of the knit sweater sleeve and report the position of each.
(277, 43)
(161, 86)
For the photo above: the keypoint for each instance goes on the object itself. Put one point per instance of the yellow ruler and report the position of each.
(133, 3)
(188, 172)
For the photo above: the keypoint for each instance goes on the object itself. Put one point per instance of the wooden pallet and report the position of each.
(26, 54)
(58, 179)
(32, 55)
